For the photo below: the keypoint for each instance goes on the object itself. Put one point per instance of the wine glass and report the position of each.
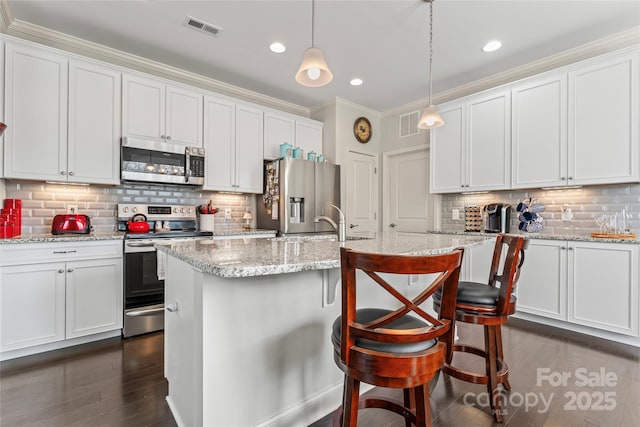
(602, 221)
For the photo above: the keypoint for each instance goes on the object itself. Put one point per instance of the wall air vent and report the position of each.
(199, 24)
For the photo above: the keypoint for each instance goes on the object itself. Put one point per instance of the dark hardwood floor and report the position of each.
(120, 383)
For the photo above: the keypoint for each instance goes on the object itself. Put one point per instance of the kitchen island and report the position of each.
(247, 332)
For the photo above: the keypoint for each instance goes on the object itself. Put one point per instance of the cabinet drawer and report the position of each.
(28, 253)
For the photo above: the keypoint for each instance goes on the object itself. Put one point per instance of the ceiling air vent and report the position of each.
(199, 24)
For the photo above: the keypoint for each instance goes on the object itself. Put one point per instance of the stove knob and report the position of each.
(134, 210)
(125, 210)
(181, 210)
(188, 210)
(175, 210)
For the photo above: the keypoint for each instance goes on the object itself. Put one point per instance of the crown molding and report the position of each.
(5, 14)
(27, 31)
(341, 101)
(598, 47)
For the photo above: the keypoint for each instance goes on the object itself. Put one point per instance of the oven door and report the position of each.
(143, 291)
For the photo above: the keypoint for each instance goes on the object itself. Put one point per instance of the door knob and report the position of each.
(392, 225)
(353, 225)
(172, 308)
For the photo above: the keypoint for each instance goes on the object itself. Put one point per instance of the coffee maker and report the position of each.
(496, 218)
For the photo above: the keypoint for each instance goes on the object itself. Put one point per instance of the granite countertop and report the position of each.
(252, 231)
(543, 236)
(261, 257)
(51, 238)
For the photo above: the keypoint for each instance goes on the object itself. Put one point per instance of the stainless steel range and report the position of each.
(143, 273)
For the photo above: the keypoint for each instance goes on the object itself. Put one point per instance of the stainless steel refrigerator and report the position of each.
(296, 191)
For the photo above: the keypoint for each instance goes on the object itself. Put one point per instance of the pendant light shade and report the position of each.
(430, 117)
(314, 71)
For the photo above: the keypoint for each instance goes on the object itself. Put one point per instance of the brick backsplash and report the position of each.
(586, 203)
(41, 201)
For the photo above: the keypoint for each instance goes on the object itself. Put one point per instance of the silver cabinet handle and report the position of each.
(146, 312)
(69, 270)
(65, 252)
(63, 172)
(392, 225)
(172, 308)
(570, 248)
(168, 137)
(570, 177)
(71, 173)
(353, 225)
(163, 137)
(61, 271)
(563, 178)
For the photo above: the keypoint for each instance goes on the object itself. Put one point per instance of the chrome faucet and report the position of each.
(340, 227)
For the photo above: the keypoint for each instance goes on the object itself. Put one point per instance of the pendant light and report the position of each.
(314, 71)
(430, 117)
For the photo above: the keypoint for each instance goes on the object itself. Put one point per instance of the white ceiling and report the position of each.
(383, 42)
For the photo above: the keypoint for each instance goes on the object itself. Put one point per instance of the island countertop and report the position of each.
(261, 257)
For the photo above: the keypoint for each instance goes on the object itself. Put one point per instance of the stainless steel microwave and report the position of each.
(161, 162)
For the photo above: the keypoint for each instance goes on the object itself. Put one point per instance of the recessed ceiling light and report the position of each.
(492, 46)
(277, 47)
(356, 82)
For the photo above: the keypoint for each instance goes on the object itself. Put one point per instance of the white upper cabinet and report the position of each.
(539, 132)
(36, 113)
(234, 138)
(578, 127)
(94, 124)
(63, 118)
(297, 131)
(2, 119)
(604, 114)
(471, 152)
(447, 150)
(278, 129)
(153, 110)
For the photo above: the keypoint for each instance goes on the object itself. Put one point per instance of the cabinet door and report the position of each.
(488, 142)
(603, 286)
(143, 108)
(309, 136)
(219, 144)
(249, 145)
(32, 305)
(93, 297)
(184, 116)
(604, 114)
(94, 124)
(477, 262)
(2, 118)
(36, 114)
(447, 155)
(539, 132)
(542, 287)
(278, 129)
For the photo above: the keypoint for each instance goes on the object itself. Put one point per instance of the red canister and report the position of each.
(15, 216)
(7, 226)
(13, 203)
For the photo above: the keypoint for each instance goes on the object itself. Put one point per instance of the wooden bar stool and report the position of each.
(390, 347)
(489, 305)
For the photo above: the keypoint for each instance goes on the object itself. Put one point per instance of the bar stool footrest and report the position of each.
(475, 377)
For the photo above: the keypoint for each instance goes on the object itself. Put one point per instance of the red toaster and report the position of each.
(71, 224)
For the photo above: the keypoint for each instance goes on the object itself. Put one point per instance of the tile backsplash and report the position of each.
(41, 201)
(586, 204)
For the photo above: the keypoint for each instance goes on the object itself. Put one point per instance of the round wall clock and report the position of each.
(362, 129)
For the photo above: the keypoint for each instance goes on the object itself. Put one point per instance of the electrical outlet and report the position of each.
(455, 214)
(72, 209)
(227, 213)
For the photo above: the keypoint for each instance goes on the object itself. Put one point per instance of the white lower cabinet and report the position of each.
(64, 291)
(583, 283)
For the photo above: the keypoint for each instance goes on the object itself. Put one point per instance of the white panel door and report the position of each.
(477, 262)
(362, 192)
(539, 151)
(278, 129)
(488, 145)
(603, 286)
(249, 146)
(604, 115)
(36, 114)
(94, 124)
(219, 144)
(143, 108)
(184, 116)
(447, 151)
(32, 303)
(309, 136)
(542, 288)
(2, 118)
(93, 296)
(408, 204)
